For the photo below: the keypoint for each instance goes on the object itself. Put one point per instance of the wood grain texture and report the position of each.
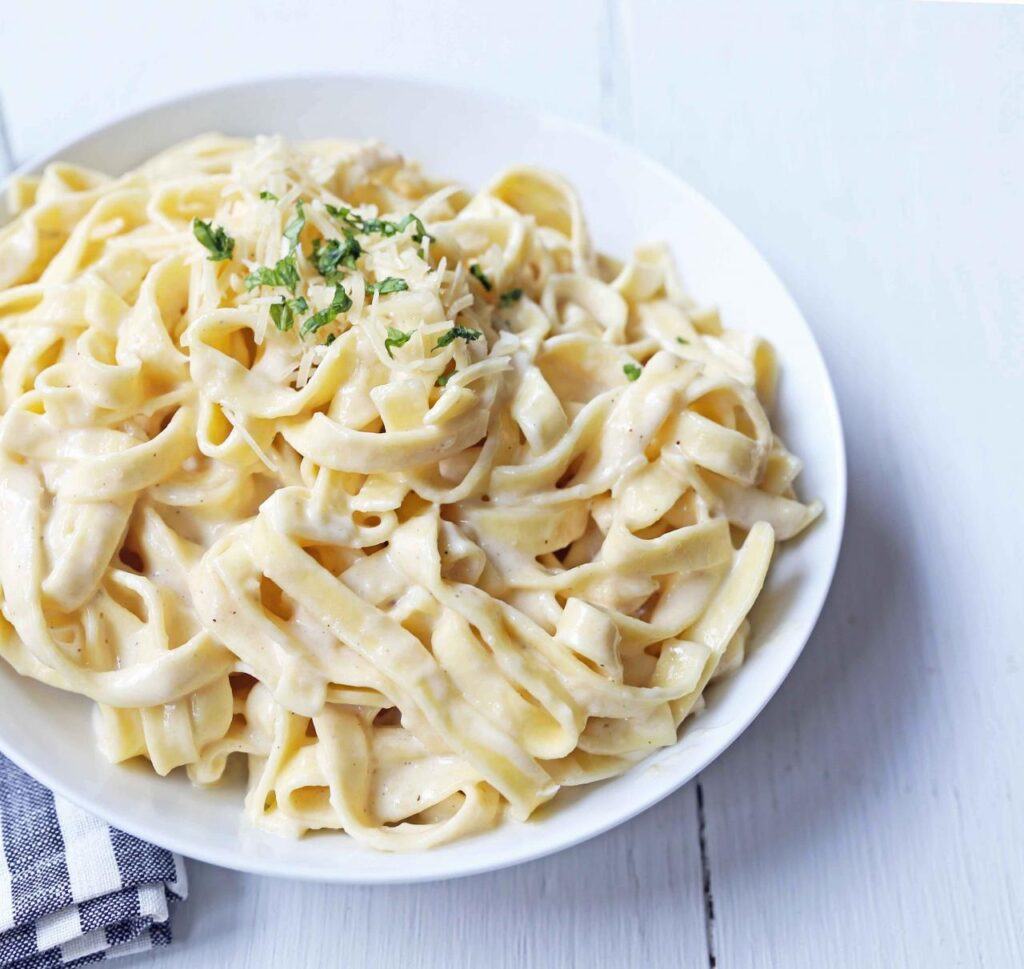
(629, 898)
(105, 59)
(872, 150)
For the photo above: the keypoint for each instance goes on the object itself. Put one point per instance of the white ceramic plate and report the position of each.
(628, 199)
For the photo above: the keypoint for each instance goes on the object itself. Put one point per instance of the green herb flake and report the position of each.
(442, 381)
(476, 271)
(341, 302)
(631, 370)
(384, 227)
(293, 229)
(396, 338)
(510, 296)
(283, 313)
(331, 337)
(420, 234)
(213, 237)
(679, 339)
(350, 251)
(328, 257)
(344, 215)
(269, 196)
(390, 285)
(284, 273)
(381, 226)
(455, 333)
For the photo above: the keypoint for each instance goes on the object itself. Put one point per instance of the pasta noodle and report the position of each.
(406, 495)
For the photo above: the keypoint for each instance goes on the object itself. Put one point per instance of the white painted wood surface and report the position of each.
(873, 151)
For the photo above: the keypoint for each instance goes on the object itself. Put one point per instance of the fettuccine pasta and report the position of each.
(405, 495)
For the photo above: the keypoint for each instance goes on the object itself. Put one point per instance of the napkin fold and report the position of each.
(73, 890)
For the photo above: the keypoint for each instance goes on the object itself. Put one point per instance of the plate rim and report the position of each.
(250, 863)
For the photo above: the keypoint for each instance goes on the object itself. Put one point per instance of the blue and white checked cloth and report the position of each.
(74, 890)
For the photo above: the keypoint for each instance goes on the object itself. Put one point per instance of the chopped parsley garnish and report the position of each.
(455, 333)
(510, 296)
(476, 271)
(343, 214)
(215, 239)
(284, 273)
(390, 285)
(679, 339)
(351, 251)
(268, 196)
(294, 228)
(283, 313)
(631, 370)
(331, 337)
(340, 303)
(420, 234)
(383, 226)
(396, 338)
(327, 257)
(442, 381)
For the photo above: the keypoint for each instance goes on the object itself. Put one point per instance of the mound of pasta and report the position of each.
(404, 494)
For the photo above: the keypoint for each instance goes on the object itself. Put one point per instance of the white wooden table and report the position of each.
(872, 816)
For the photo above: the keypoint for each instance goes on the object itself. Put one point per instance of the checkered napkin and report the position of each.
(74, 890)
